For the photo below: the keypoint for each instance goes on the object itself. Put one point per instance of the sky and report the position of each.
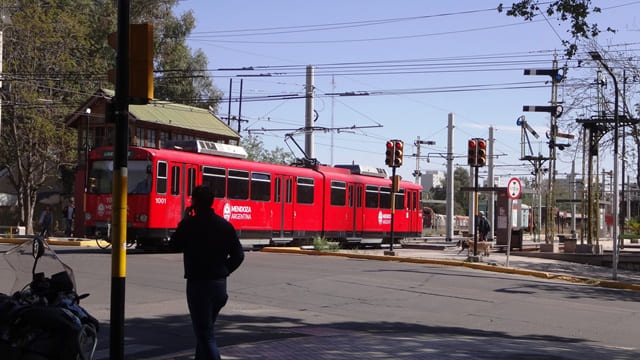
(417, 62)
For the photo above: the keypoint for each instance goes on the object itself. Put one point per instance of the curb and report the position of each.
(485, 267)
(83, 243)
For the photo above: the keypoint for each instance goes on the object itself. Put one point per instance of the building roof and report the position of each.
(181, 116)
(165, 113)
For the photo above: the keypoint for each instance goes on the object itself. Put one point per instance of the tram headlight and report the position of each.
(87, 216)
(143, 218)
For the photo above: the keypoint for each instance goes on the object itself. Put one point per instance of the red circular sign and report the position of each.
(514, 188)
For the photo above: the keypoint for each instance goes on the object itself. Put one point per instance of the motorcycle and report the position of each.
(43, 319)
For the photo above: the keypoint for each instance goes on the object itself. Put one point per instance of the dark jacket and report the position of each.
(483, 225)
(210, 246)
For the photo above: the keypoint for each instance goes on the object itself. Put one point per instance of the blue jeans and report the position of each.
(205, 299)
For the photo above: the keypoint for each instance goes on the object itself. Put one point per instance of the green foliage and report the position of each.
(633, 226)
(55, 56)
(574, 11)
(256, 151)
(322, 244)
(461, 199)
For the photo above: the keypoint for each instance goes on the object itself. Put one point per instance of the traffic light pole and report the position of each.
(119, 207)
(475, 196)
(393, 206)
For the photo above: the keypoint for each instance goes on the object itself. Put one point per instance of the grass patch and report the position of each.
(322, 244)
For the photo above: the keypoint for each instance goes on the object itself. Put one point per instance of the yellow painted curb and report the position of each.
(83, 243)
(479, 266)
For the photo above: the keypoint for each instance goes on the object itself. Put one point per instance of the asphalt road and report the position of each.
(399, 308)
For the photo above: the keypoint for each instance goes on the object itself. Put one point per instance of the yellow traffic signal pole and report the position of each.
(119, 209)
(393, 204)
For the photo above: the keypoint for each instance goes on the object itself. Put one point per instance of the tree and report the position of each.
(461, 200)
(46, 48)
(56, 55)
(182, 73)
(575, 11)
(257, 152)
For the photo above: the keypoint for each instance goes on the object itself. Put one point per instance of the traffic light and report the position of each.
(140, 62)
(398, 151)
(389, 153)
(472, 152)
(394, 152)
(481, 158)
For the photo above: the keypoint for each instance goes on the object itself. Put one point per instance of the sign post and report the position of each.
(514, 190)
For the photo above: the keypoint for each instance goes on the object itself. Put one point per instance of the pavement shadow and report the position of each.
(272, 337)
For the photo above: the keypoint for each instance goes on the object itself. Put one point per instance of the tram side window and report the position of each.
(385, 197)
(304, 191)
(191, 181)
(371, 196)
(175, 180)
(260, 187)
(400, 200)
(238, 184)
(215, 179)
(288, 191)
(277, 190)
(161, 177)
(338, 193)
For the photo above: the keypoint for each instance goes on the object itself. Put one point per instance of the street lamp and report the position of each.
(597, 57)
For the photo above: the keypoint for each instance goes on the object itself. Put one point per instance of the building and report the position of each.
(432, 178)
(150, 125)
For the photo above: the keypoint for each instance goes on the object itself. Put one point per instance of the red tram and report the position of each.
(267, 203)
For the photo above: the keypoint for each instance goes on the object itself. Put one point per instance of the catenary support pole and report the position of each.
(450, 190)
(308, 115)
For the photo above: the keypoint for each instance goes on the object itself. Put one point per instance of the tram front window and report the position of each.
(101, 177)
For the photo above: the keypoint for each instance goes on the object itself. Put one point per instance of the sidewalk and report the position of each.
(530, 263)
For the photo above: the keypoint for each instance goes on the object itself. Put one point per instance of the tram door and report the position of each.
(358, 208)
(189, 182)
(283, 209)
(183, 181)
(411, 206)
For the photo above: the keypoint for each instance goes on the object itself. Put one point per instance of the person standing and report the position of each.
(45, 221)
(211, 252)
(68, 213)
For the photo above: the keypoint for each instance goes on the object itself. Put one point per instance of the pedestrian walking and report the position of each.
(45, 221)
(68, 214)
(211, 252)
(483, 226)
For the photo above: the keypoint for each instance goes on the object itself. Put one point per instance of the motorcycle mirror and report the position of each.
(37, 248)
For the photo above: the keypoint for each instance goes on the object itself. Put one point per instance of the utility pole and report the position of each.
(450, 193)
(573, 197)
(549, 229)
(492, 195)
(555, 112)
(308, 115)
